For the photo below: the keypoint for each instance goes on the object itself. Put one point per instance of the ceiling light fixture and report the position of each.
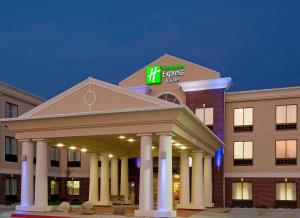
(182, 147)
(131, 140)
(177, 144)
(153, 147)
(60, 145)
(122, 137)
(83, 150)
(110, 155)
(72, 147)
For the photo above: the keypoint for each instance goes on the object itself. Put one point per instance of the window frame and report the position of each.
(243, 128)
(242, 182)
(73, 163)
(7, 156)
(210, 126)
(243, 161)
(11, 105)
(68, 193)
(285, 183)
(286, 125)
(58, 187)
(54, 163)
(286, 161)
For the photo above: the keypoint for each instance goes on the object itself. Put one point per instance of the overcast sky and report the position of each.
(48, 46)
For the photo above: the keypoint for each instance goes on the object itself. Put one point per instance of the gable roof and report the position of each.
(92, 95)
(196, 72)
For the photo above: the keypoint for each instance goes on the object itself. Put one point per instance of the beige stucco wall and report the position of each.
(264, 134)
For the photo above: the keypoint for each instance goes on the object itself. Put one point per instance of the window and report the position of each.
(286, 152)
(206, 115)
(242, 153)
(169, 97)
(286, 117)
(54, 187)
(11, 186)
(285, 191)
(11, 110)
(11, 149)
(73, 187)
(34, 154)
(242, 191)
(54, 157)
(74, 158)
(243, 119)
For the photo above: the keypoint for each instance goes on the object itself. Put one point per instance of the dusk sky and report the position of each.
(49, 46)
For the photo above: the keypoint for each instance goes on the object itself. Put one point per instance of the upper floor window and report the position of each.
(169, 97)
(54, 157)
(286, 152)
(206, 115)
(241, 191)
(243, 119)
(286, 117)
(11, 110)
(243, 153)
(74, 158)
(73, 187)
(11, 149)
(286, 191)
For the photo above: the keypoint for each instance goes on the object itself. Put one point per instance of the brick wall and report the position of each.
(263, 190)
(212, 98)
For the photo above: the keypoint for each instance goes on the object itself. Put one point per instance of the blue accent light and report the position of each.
(137, 162)
(219, 157)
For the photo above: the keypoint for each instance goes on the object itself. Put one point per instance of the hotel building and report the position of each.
(171, 135)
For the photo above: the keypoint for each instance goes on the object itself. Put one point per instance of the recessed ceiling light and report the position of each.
(153, 147)
(110, 155)
(177, 144)
(60, 145)
(122, 137)
(182, 147)
(72, 147)
(131, 140)
(83, 150)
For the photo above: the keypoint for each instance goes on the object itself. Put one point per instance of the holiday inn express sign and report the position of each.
(170, 73)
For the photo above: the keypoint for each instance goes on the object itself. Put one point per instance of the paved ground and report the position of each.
(5, 212)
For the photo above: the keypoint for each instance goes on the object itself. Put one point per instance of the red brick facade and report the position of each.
(212, 98)
(263, 191)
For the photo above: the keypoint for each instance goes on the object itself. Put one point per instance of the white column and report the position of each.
(208, 181)
(104, 187)
(114, 176)
(146, 177)
(94, 179)
(124, 179)
(41, 176)
(184, 198)
(165, 177)
(197, 181)
(27, 176)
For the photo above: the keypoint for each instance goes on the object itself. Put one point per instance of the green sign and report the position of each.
(153, 75)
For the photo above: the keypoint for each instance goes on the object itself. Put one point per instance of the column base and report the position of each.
(105, 203)
(34, 208)
(183, 206)
(209, 204)
(155, 213)
(96, 203)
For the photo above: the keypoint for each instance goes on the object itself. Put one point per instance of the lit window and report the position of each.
(286, 117)
(243, 119)
(286, 191)
(73, 187)
(206, 115)
(243, 153)
(54, 187)
(242, 191)
(11, 149)
(286, 152)
(11, 110)
(11, 186)
(54, 157)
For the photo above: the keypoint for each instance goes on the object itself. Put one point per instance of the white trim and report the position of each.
(219, 83)
(102, 84)
(263, 175)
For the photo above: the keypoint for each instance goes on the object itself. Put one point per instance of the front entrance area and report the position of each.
(120, 126)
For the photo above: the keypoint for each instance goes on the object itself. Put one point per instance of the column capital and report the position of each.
(194, 153)
(38, 139)
(24, 140)
(144, 134)
(123, 157)
(165, 133)
(208, 156)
